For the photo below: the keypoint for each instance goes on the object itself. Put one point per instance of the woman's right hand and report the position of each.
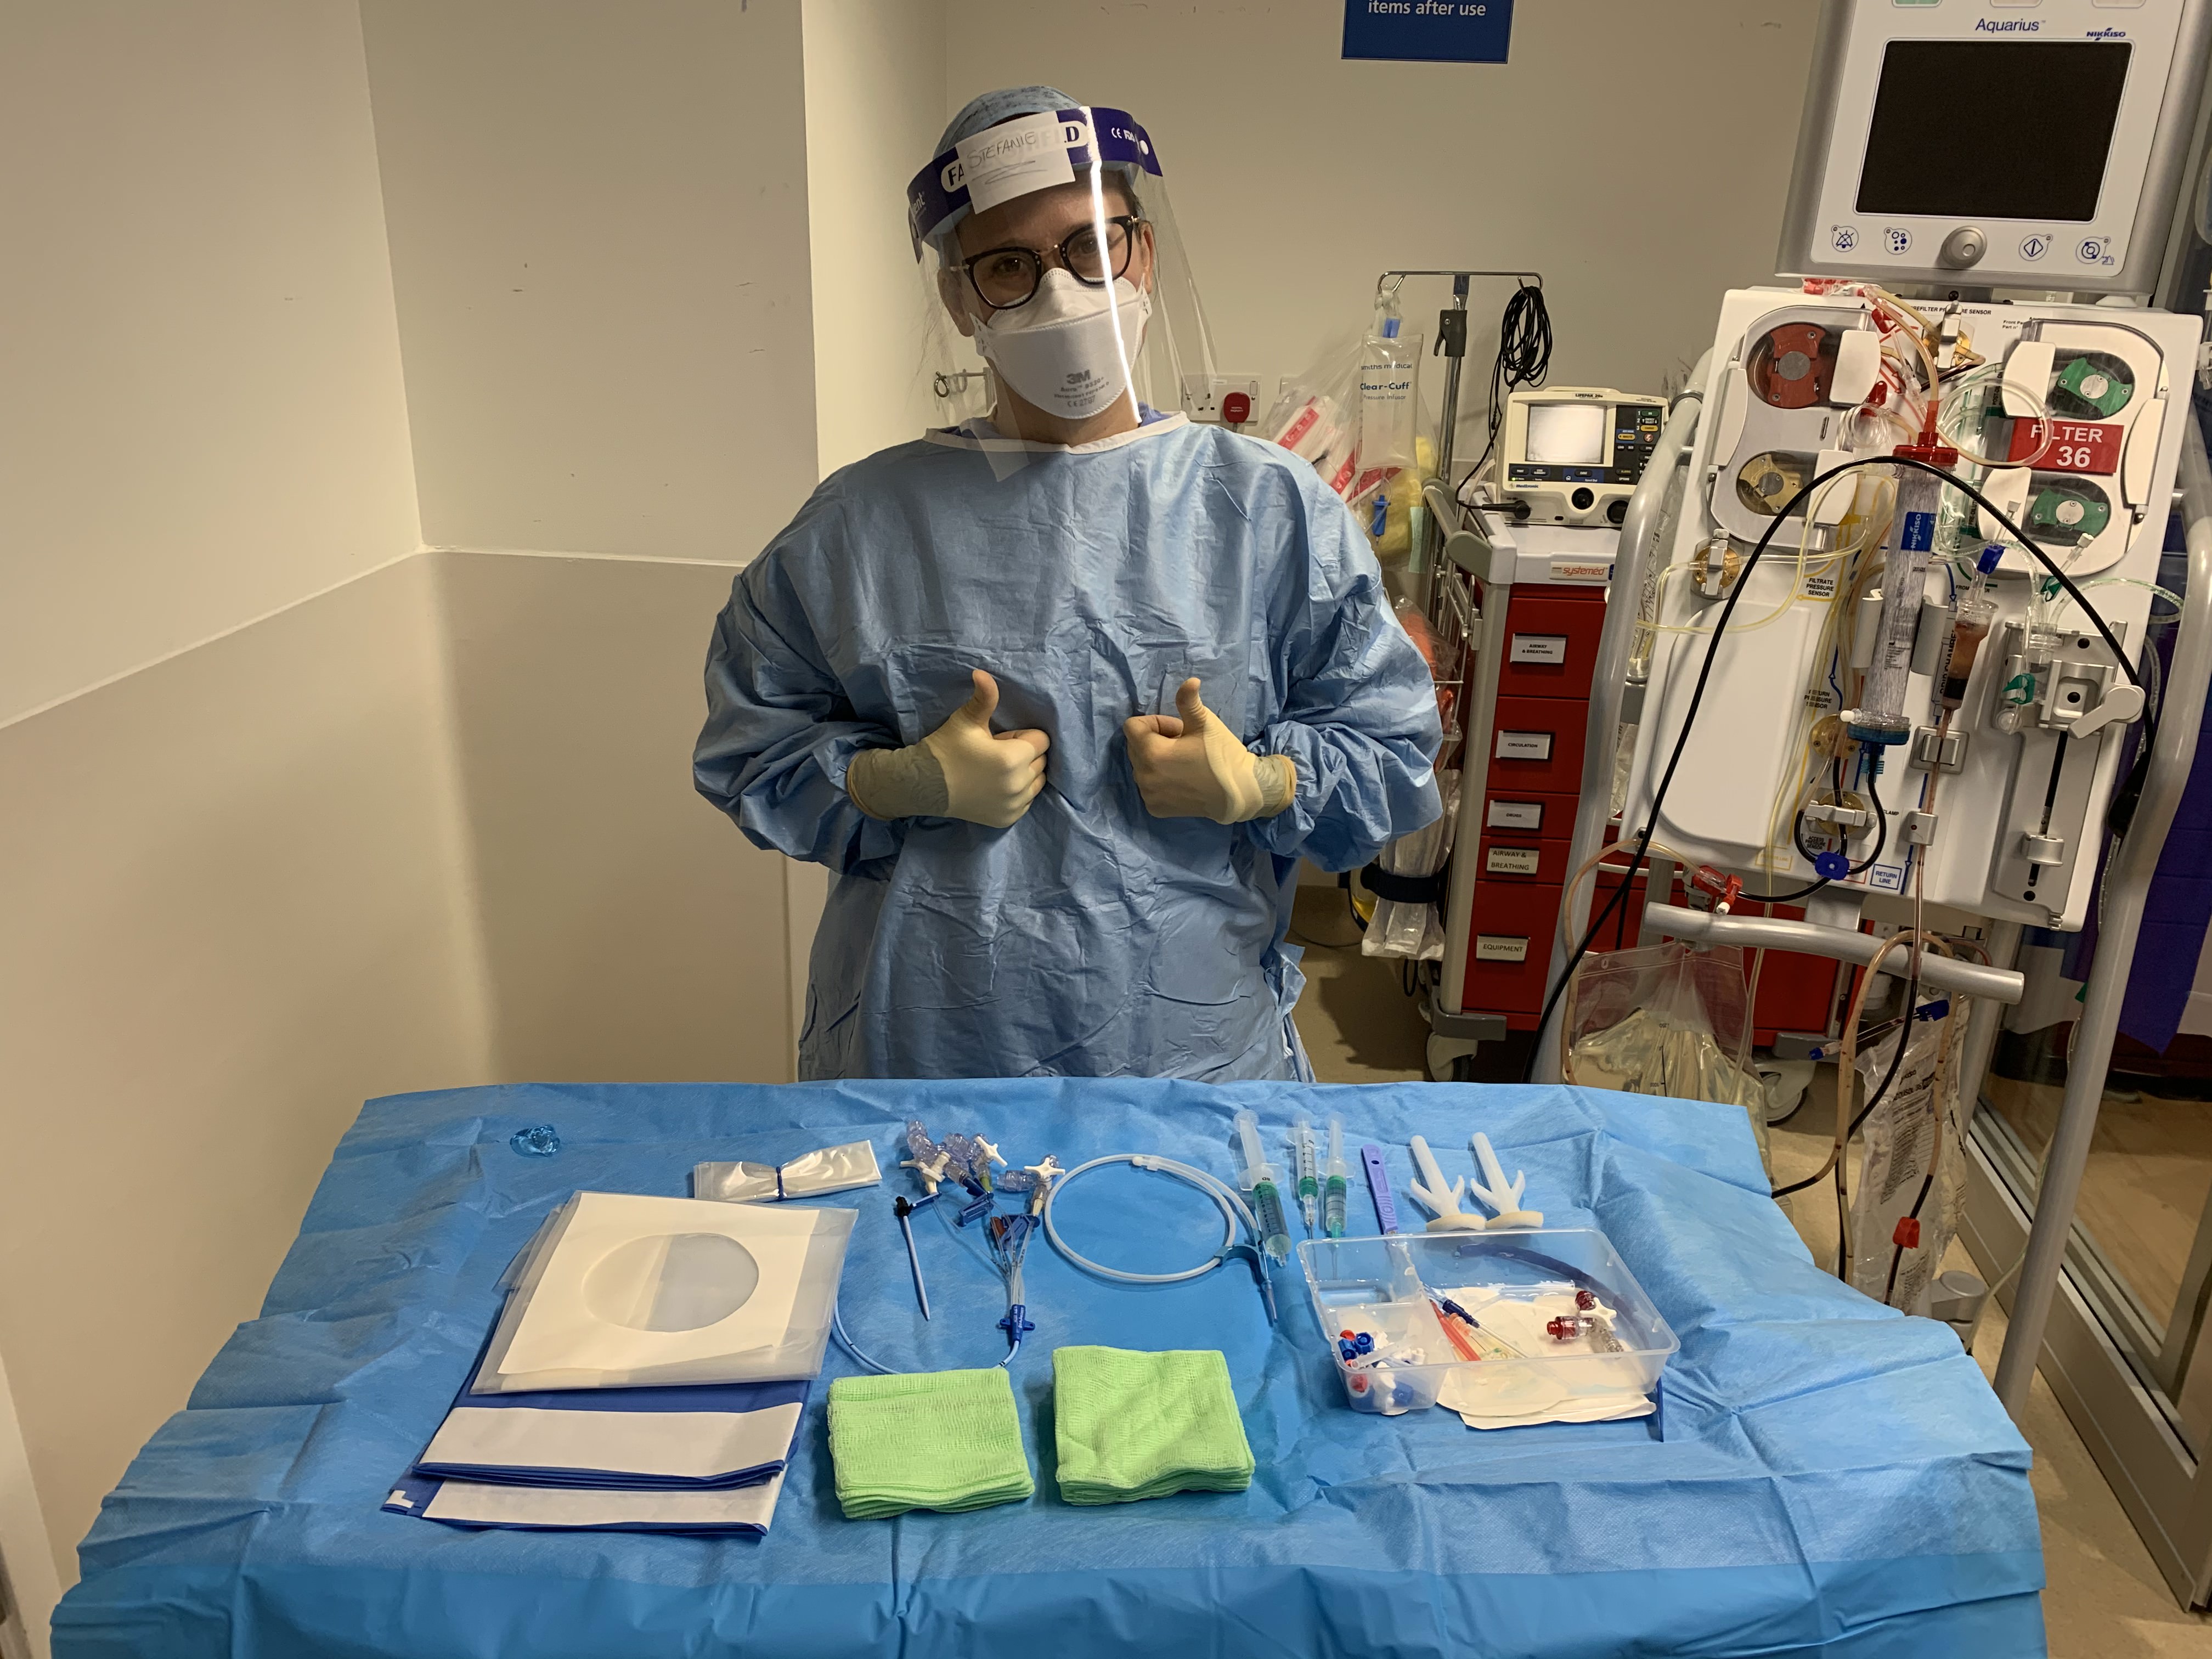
(963, 769)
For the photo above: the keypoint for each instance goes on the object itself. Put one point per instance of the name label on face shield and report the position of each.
(1015, 157)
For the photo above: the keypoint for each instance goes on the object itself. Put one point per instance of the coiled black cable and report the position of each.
(1524, 358)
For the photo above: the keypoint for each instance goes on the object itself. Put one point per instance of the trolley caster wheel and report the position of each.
(1451, 1060)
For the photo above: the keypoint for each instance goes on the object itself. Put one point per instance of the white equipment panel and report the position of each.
(2029, 763)
(2015, 143)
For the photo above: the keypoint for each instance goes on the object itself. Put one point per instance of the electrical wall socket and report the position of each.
(1204, 395)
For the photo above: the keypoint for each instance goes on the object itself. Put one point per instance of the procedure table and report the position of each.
(1832, 1477)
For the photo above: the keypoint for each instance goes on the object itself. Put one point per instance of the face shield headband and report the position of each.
(1031, 152)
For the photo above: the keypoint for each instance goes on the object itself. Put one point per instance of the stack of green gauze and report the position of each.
(933, 1440)
(1132, 1426)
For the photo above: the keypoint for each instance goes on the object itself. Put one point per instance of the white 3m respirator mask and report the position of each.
(1060, 351)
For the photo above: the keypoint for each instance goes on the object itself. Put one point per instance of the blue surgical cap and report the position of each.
(1003, 105)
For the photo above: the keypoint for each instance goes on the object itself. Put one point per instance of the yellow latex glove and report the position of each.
(1189, 765)
(963, 769)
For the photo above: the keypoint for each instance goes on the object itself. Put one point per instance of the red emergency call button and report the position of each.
(1236, 408)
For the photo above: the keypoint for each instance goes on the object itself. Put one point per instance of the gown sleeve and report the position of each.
(780, 731)
(1358, 710)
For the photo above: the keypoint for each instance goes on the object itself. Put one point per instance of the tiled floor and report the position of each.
(2105, 1599)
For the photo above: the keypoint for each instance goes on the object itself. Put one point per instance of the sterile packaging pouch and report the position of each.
(1665, 1019)
(743, 1512)
(1901, 1146)
(698, 1437)
(622, 1290)
(832, 1170)
(1414, 928)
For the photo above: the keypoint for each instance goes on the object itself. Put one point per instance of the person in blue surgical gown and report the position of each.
(1061, 695)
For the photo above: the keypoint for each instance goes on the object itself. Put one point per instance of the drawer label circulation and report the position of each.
(1524, 745)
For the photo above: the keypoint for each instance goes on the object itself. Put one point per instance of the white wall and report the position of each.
(203, 419)
(600, 245)
(598, 235)
(875, 104)
(630, 933)
(231, 842)
(1637, 154)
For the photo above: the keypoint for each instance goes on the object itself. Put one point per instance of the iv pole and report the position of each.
(2127, 887)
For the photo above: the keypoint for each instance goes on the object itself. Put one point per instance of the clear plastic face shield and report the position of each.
(1060, 304)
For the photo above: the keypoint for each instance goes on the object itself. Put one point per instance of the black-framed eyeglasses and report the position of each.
(1006, 278)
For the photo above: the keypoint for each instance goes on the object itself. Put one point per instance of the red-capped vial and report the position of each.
(1565, 1328)
(1585, 1301)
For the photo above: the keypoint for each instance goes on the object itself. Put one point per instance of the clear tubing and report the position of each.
(1233, 1211)
(1880, 719)
(1333, 1190)
(1308, 1154)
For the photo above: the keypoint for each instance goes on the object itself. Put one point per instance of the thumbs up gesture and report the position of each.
(990, 777)
(1190, 765)
(963, 769)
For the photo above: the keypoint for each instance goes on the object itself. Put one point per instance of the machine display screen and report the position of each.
(1568, 434)
(1925, 155)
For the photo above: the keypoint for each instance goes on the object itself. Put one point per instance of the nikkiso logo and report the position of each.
(2107, 34)
(2007, 26)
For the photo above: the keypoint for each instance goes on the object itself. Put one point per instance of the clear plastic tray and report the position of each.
(1380, 1286)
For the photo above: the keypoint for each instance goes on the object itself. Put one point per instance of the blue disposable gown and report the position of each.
(1090, 938)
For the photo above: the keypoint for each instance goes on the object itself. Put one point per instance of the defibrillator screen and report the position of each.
(1927, 152)
(1568, 434)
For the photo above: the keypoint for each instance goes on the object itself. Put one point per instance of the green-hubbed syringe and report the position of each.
(1257, 1177)
(1331, 1200)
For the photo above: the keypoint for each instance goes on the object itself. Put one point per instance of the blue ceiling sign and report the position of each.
(1428, 30)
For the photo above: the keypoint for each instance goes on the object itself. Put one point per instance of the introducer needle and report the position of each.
(903, 1208)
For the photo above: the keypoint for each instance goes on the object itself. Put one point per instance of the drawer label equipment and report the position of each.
(1524, 745)
(1539, 648)
(1490, 947)
(1516, 815)
(1512, 861)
